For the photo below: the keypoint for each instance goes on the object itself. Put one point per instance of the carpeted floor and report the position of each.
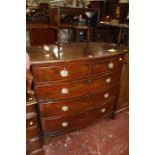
(107, 137)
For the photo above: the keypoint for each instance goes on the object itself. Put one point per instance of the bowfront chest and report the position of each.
(75, 85)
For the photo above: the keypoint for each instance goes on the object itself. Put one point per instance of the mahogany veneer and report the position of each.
(75, 84)
(34, 143)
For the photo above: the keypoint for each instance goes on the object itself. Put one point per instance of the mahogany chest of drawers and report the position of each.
(75, 85)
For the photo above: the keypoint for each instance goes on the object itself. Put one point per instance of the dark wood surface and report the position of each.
(55, 109)
(74, 53)
(41, 34)
(44, 92)
(75, 84)
(81, 120)
(123, 99)
(34, 142)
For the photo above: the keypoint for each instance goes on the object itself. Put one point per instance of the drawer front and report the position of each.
(54, 73)
(74, 89)
(107, 65)
(32, 133)
(38, 152)
(71, 107)
(34, 145)
(77, 121)
(31, 122)
(30, 108)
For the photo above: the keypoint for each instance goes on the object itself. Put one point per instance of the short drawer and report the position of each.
(77, 121)
(56, 73)
(107, 65)
(30, 108)
(47, 92)
(32, 121)
(71, 107)
(32, 132)
(34, 145)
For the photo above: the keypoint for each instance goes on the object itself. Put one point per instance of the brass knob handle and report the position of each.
(103, 110)
(64, 91)
(64, 73)
(30, 98)
(110, 65)
(108, 80)
(64, 124)
(120, 59)
(106, 95)
(64, 108)
(31, 123)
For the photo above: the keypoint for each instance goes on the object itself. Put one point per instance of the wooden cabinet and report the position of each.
(40, 34)
(75, 87)
(68, 19)
(123, 99)
(34, 142)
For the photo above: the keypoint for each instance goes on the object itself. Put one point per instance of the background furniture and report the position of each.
(40, 34)
(75, 87)
(112, 33)
(58, 24)
(123, 99)
(69, 18)
(34, 142)
(107, 22)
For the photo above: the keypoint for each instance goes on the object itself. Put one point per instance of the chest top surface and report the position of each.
(73, 52)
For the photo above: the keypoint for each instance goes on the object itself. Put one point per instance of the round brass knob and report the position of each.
(108, 80)
(106, 95)
(64, 73)
(110, 65)
(103, 110)
(120, 59)
(64, 124)
(64, 108)
(31, 123)
(64, 91)
(30, 98)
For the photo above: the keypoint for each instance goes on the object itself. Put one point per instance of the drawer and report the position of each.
(31, 122)
(71, 107)
(30, 108)
(32, 132)
(56, 73)
(68, 123)
(38, 152)
(34, 145)
(107, 65)
(47, 92)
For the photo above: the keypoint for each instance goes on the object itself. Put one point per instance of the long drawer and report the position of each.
(67, 123)
(74, 106)
(47, 91)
